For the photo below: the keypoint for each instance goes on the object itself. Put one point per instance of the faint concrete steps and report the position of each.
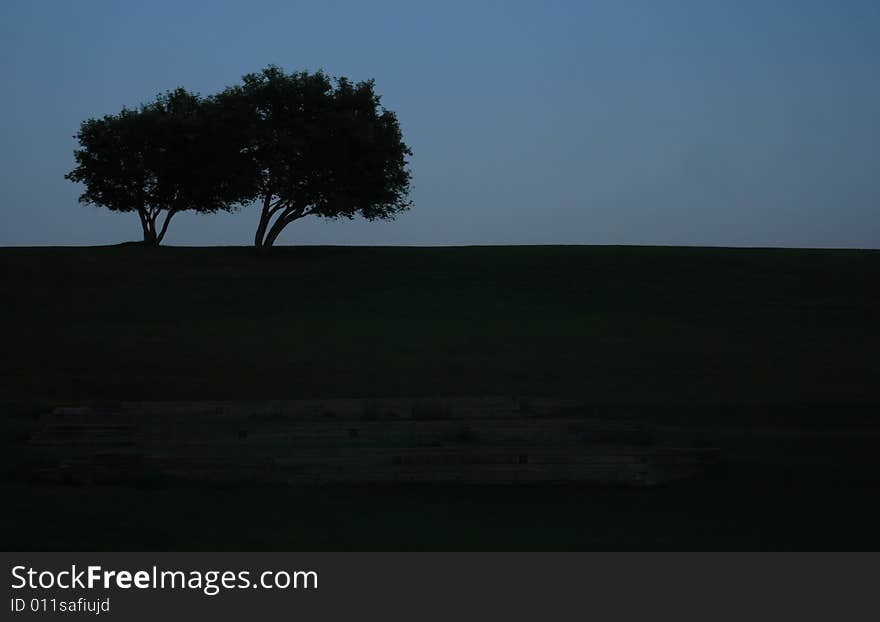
(475, 440)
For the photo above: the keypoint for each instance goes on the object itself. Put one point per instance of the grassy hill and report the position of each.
(741, 341)
(620, 325)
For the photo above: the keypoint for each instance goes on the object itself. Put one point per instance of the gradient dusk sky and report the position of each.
(545, 122)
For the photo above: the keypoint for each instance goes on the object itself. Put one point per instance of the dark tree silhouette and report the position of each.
(316, 146)
(163, 158)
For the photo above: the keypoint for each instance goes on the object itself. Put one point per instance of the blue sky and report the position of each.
(611, 122)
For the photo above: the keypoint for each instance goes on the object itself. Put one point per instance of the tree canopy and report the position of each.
(296, 144)
(163, 158)
(317, 147)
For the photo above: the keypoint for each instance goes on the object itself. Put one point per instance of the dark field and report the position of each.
(771, 355)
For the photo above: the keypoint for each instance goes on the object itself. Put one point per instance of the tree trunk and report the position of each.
(288, 213)
(285, 219)
(161, 235)
(265, 215)
(149, 229)
(153, 238)
(273, 233)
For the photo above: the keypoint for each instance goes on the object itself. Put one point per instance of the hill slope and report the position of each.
(619, 325)
(771, 355)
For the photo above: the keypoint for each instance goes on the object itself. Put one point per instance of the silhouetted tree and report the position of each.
(316, 146)
(166, 157)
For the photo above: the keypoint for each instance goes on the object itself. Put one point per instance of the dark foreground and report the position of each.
(772, 353)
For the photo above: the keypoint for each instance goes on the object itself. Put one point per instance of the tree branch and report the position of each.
(278, 205)
(282, 221)
(168, 216)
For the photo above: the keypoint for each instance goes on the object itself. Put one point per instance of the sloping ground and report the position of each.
(469, 440)
(667, 328)
(769, 355)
